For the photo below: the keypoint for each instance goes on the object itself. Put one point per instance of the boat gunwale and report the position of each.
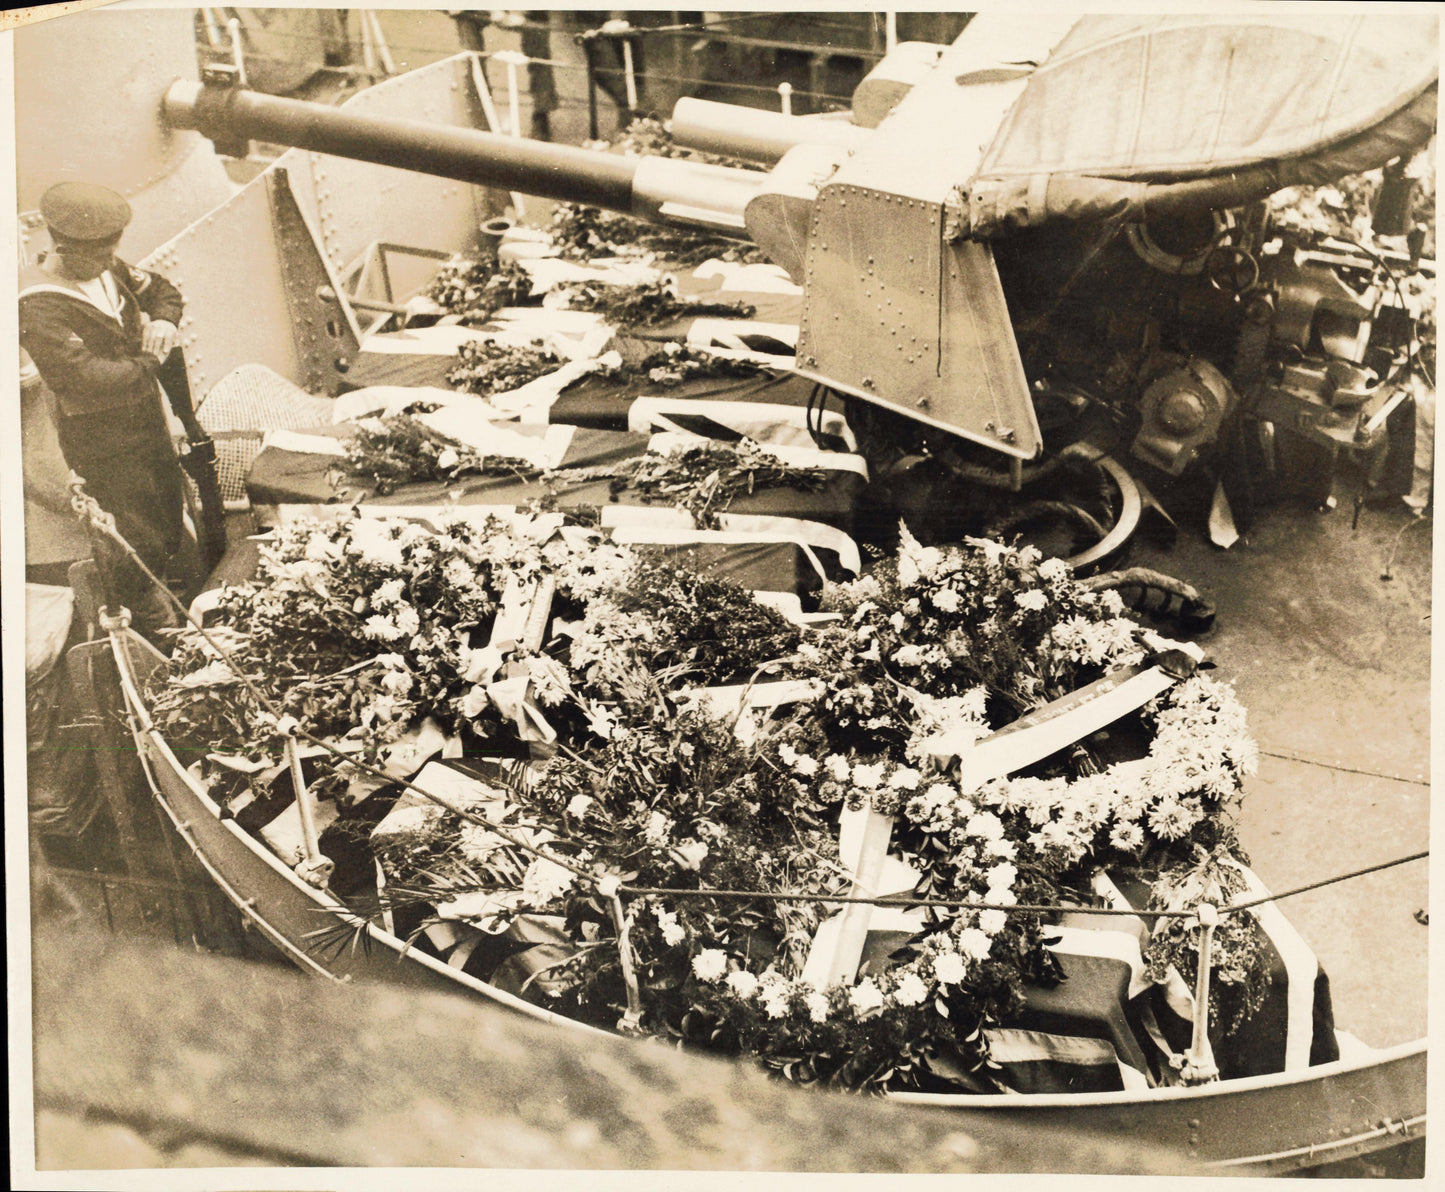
(334, 906)
(1377, 1057)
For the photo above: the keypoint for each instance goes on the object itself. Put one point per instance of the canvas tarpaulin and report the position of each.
(1133, 113)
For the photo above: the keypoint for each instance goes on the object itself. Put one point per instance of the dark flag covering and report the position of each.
(280, 476)
(1106, 1027)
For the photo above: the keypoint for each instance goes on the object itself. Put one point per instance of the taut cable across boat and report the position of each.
(1201, 1094)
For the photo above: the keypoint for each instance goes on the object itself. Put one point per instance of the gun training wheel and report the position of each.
(1231, 270)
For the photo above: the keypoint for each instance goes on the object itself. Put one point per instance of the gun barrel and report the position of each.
(708, 196)
(755, 134)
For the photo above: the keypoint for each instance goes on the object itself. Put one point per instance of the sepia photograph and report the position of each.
(624, 596)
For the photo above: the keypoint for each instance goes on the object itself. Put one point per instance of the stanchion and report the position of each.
(1199, 1066)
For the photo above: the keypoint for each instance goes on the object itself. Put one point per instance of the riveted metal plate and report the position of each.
(228, 270)
(249, 272)
(326, 335)
(896, 315)
(355, 203)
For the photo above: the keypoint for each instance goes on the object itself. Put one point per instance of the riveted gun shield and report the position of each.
(1047, 245)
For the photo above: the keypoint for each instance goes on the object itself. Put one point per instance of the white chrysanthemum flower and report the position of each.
(389, 593)
(949, 968)
(1127, 837)
(910, 991)
(905, 778)
(1002, 875)
(1054, 570)
(1033, 601)
(546, 880)
(787, 754)
(1171, 819)
(992, 922)
(939, 794)
(577, 808)
(866, 996)
(817, 1006)
(945, 600)
(974, 943)
(380, 627)
(1002, 895)
(805, 766)
(868, 777)
(838, 767)
(910, 656)
(985, 825)
(1004, 850)
(710, 964)
(742, 983)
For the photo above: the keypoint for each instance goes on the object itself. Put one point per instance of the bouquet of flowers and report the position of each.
(475, 290)
(645, 304)
(400, 449)
(669, 363)
(722, 823)
(489, 366)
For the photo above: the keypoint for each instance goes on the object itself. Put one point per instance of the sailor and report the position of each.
(98, 331)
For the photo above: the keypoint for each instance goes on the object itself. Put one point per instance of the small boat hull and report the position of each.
(1295, 1121)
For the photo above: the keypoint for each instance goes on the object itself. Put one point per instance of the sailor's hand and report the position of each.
(158, 338)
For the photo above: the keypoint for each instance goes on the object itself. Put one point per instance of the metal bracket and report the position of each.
(362, 276)
(326, 333)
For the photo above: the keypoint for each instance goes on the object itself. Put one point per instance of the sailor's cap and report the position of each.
(84, 211)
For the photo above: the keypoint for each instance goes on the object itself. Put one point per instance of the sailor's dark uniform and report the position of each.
(110, 416)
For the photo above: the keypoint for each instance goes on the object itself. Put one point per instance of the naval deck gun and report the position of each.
(1047, 211)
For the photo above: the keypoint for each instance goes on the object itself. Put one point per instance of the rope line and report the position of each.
(1329, 881)
(1019, 907)
(1310, 761)
(88, 508)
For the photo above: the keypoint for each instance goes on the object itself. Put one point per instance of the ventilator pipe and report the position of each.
(708, 196)
(755, 134)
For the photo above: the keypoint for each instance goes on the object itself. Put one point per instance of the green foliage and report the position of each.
(488, 366)
(646, 304)
(475, 290)
(401, 449)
